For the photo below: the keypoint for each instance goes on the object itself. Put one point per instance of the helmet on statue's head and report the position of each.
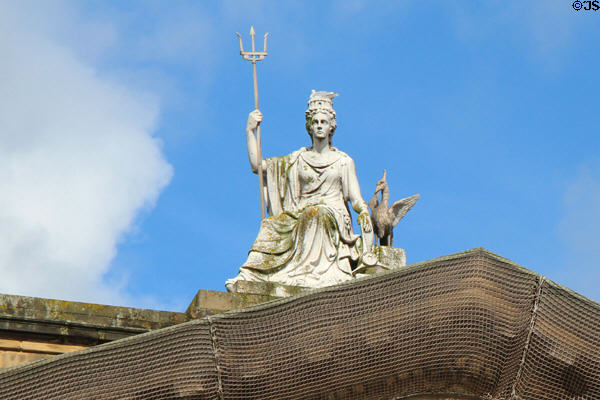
(321, 102)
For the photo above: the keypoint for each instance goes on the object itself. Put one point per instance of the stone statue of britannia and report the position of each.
(307, 239)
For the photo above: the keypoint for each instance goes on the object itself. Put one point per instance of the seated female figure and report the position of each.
(308, 239)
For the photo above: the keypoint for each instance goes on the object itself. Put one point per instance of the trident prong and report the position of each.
(265, 46)
(255, 56)
(241, 44)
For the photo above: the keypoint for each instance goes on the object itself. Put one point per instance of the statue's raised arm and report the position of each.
(254, 119)
(308, 240)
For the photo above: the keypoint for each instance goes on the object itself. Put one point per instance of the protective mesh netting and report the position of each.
(471, 324)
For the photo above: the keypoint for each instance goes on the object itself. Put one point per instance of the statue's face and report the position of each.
(321, 126)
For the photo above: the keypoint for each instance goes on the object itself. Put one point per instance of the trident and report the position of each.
(255, 56)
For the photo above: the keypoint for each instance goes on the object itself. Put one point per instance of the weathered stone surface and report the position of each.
(37, 347)
(21, 310)
(394, 257)
(12, 358)
(34, 328)
(208, 302)
(15, 352)
(388, 258)
(272, 289)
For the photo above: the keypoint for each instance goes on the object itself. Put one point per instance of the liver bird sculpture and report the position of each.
(384, 218)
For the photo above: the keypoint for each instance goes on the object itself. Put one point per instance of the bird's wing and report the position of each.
(401, 207)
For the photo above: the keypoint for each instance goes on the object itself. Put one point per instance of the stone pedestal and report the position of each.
(393, 257)
(389, 258)
(209, 302)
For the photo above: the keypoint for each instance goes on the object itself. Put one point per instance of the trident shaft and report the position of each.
(255, 56)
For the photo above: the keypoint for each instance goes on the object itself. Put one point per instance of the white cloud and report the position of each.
(77, 164)
(580, 230)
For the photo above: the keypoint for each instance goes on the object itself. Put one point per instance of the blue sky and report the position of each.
(127, 174)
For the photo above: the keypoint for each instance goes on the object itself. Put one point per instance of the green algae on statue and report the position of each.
(308, 240)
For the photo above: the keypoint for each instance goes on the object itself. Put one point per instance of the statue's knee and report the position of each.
(310, 212)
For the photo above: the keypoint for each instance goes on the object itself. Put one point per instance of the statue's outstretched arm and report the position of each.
(254, 119)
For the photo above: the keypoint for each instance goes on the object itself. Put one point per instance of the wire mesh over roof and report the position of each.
(470, 325)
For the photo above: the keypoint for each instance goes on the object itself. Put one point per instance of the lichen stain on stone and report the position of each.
(86, 313)
(269, 288)
(292, 290)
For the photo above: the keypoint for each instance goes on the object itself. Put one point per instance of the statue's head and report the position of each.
(320, 106)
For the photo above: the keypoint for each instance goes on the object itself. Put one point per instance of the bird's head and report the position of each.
(381, 184)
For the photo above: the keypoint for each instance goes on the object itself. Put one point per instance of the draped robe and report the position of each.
(307, 240)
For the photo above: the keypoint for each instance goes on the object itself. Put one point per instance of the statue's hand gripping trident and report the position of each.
(255, 56)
